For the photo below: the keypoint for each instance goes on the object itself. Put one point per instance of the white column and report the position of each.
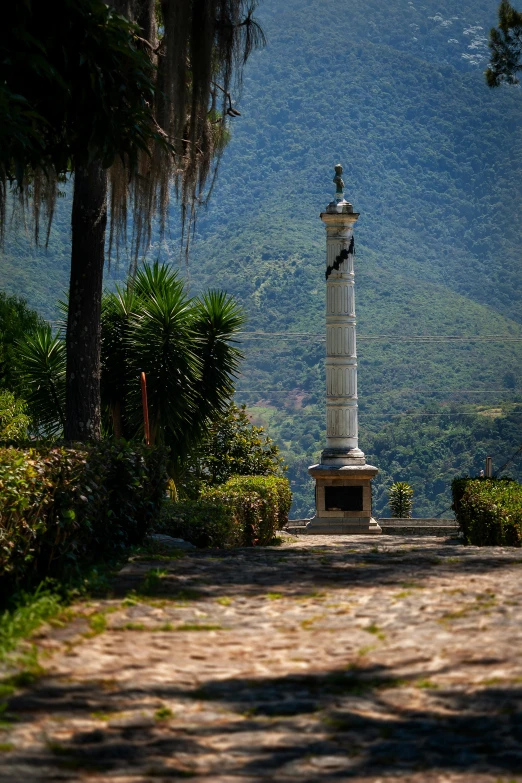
(341, 348)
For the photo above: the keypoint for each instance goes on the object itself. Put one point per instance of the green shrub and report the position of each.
(233, 446)
(245, 511)
(202, 522)
(260, 505)
(489, 511)
(14, 421)
(63, 507)
(400, 500)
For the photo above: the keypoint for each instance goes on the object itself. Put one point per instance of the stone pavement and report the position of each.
(344, 659)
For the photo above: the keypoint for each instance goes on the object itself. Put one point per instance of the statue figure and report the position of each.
(338, 180)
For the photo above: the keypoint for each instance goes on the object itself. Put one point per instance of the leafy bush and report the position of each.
(489, 511)
(63, 507)
(202, 522)
(14, 420)
(260, 505)
(400, 499)
(245, 511)
(17, 321)
(233, 446)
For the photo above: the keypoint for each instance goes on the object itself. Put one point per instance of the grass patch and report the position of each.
(163, 713)
(367, 649)
(426, 685)
(164, 627)
(376, 631)
(97, 624)
(152, 581)
(274, 596)
(307, 625)
(6, 747)
(27, 615)
(198, 627)
(224, 601)
(131, 627)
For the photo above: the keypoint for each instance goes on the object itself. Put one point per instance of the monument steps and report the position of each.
(397, 527)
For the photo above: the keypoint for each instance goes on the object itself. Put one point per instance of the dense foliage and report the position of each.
(61, 77)
(17, 320)
(489, 511)
(184, 345)
(231, 446)
(244, 511)
(14, 421)
(62, 508)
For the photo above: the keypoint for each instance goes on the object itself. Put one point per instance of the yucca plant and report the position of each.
(162, 343)
(42, 360)
(400, 500)
(117, 309)
(184, 346)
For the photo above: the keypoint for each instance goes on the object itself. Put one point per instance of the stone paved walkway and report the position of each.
(397, 659)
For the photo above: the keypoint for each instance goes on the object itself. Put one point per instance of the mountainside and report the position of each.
(433, 161)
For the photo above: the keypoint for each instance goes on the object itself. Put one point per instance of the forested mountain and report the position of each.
(433, 161)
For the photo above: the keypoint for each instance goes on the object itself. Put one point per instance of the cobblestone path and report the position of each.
(325, 659)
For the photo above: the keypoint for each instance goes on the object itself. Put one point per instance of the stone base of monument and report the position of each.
(361, 526)
(343, 500)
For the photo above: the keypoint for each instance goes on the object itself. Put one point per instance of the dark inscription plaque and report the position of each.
(343, 498)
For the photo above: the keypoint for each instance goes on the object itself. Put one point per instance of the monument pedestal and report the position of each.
(343, 500)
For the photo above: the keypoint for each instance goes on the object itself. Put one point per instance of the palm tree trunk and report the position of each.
(89, 220)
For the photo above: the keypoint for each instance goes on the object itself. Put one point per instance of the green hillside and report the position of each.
(433, 161)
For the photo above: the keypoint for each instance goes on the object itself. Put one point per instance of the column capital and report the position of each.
(339, 219)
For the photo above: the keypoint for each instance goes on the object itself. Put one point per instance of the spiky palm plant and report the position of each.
(400, 500)
(42, 359)
(162, 343)
(184, 346)
(217, 319)
(117, 308)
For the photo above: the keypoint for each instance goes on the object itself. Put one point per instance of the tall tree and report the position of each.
(505, 43)
(178, 64)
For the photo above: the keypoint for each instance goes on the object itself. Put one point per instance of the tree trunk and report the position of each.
(89, 220)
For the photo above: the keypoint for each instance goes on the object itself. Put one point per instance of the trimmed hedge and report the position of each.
(488, 511)
(202, 522)
(245, 511)
(63, 507)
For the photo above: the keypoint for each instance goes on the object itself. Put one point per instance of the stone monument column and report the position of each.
(343, 488)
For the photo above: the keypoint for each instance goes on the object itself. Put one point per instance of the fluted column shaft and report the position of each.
(341, 347)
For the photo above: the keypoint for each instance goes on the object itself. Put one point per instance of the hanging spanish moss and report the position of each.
(195, 51)
(198, 48)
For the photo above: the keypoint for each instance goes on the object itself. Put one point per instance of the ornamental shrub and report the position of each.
(244, 511)
(400, 500)
(63, 507)
(204, 523)
(260, 505)
(489, 511)
(14, 421)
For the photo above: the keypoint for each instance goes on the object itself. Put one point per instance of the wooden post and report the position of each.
(145, 408)
(489, 467)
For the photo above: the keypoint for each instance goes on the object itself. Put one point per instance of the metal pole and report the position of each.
(145, 408)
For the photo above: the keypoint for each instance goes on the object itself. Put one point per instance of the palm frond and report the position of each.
(42, 357)
(162, 343)
(217, 320)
